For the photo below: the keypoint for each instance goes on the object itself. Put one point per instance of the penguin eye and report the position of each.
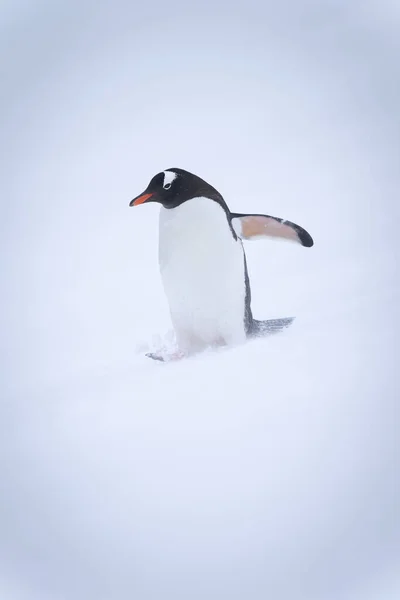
(167, 186)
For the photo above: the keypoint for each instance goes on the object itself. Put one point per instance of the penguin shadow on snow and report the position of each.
(203, 265)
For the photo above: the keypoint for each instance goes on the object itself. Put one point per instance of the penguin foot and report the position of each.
(155, 356)
(166, 357)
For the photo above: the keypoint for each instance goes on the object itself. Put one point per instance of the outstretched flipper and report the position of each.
(252, 227)
(269, 327)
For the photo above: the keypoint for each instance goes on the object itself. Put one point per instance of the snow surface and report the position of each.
(266, 471)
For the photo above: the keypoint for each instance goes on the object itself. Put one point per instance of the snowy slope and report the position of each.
(266, 471)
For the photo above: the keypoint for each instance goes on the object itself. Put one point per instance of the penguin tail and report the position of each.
(264, 328)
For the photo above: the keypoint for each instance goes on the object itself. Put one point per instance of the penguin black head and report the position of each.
(174, 186)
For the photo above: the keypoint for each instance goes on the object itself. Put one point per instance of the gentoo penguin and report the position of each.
(203, 263)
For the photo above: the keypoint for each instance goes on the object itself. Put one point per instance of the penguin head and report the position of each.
(175, 186)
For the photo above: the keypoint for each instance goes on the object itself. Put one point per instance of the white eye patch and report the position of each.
(169, 177)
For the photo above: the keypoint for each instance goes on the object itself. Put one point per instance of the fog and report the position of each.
(265, 471)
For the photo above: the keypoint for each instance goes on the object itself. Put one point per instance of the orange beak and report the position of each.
(140, 199)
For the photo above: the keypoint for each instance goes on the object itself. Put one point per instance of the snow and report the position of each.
(269, 470)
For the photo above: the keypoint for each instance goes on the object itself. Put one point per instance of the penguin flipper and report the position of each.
(251, 227)
(269, 327)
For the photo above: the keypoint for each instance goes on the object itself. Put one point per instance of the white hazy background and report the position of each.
(270, 471)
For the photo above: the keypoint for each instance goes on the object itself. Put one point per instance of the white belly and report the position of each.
(202, 269)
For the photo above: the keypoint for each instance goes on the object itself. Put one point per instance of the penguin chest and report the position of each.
(202, 270)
